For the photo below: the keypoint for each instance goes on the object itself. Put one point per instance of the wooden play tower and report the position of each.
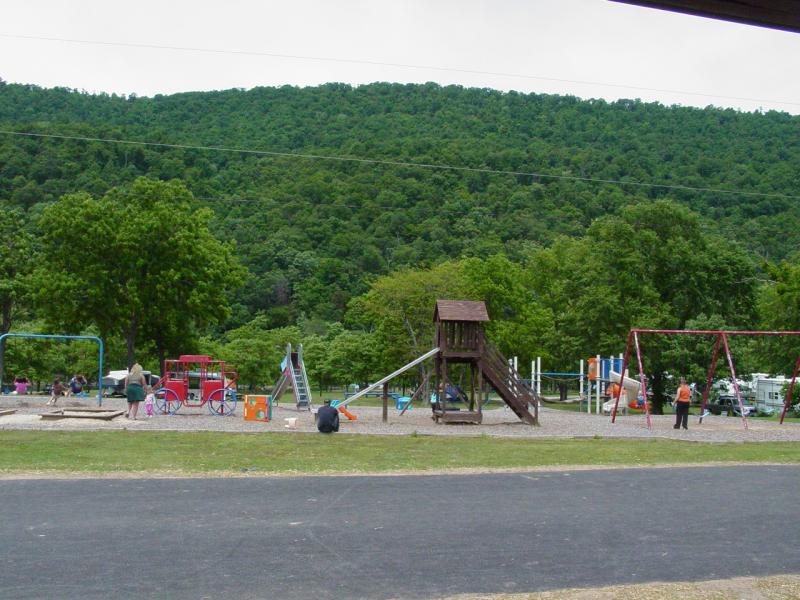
(461, 340)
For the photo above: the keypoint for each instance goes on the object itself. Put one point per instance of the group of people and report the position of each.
(57, 390)
(72, 388)
(137, 391)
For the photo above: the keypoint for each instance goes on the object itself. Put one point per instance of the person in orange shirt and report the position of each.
(682, 399)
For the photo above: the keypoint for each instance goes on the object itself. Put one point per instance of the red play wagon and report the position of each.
(194, 380)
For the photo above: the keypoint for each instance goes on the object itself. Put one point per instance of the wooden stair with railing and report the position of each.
(509, 385)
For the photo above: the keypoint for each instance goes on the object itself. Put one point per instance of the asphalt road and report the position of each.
(393, 537)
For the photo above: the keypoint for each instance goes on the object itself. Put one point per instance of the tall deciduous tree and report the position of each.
(652, 266)
(16, 260)
(140, 262)
(400, 306)
(779, 307)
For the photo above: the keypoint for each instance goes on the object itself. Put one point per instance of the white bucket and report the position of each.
(291, 422)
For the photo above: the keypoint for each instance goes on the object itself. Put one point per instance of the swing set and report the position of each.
(39, 336)
(721, 343)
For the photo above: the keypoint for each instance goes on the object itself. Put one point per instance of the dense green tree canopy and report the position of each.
(16, 262)
(653, 266)
(142, 242)
(139, 262)
(308, 230)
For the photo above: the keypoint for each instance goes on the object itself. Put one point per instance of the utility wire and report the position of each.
(392, 64)
(397, 163)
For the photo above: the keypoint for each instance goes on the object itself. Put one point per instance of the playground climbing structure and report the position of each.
(460, 340)
(293, 374)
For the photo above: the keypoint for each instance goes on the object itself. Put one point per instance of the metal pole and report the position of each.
(716, 332)
(597, 379)
(100, 374)
(2, 360)
(622, 376)
(539, 376)
(580, 386)
(642, 381)
(733, 377)
(711, 370)
(533, 374)
(791, 388)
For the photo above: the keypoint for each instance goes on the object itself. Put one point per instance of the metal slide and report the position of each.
(293, 372)
(399, 371)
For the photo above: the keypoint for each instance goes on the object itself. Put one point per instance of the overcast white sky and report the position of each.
(582, 40)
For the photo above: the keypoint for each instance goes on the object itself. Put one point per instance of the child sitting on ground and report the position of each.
(149, 402)
(58, 390)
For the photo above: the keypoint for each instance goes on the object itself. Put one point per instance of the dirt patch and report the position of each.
(21, 475)
(782, 587)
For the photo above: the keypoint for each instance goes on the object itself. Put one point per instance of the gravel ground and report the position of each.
(498, 422)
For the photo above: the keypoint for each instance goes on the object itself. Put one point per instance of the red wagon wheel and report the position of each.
(222, 402)
(167, 401)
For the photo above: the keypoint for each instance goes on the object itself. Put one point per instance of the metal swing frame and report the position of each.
(721, 342)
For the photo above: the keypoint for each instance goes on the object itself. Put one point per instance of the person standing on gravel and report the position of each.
(682, 399)
(135, 383)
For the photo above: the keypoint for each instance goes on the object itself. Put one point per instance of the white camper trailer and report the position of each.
(768, 391)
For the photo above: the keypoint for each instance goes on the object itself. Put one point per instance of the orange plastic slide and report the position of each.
(347, 413)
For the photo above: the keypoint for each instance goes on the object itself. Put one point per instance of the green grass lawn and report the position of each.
(213, 452)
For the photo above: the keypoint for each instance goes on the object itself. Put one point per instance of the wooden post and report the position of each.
(442, 392)
(480, 389)
(472, 386)
(385, 416)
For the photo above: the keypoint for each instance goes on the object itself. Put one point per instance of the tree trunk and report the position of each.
(162, 356)
(5, 327)
(413, 337)
(657, 388)
(130, 342)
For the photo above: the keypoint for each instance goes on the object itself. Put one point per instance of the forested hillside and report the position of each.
(314, 233)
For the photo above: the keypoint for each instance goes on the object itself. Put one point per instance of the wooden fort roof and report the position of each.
(460, 310)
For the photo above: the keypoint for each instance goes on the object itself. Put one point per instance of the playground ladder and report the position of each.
(301, 394)
(509, 385)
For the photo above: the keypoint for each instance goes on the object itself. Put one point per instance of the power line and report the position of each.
(333, 205)
(397, 163)
(376, 63)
